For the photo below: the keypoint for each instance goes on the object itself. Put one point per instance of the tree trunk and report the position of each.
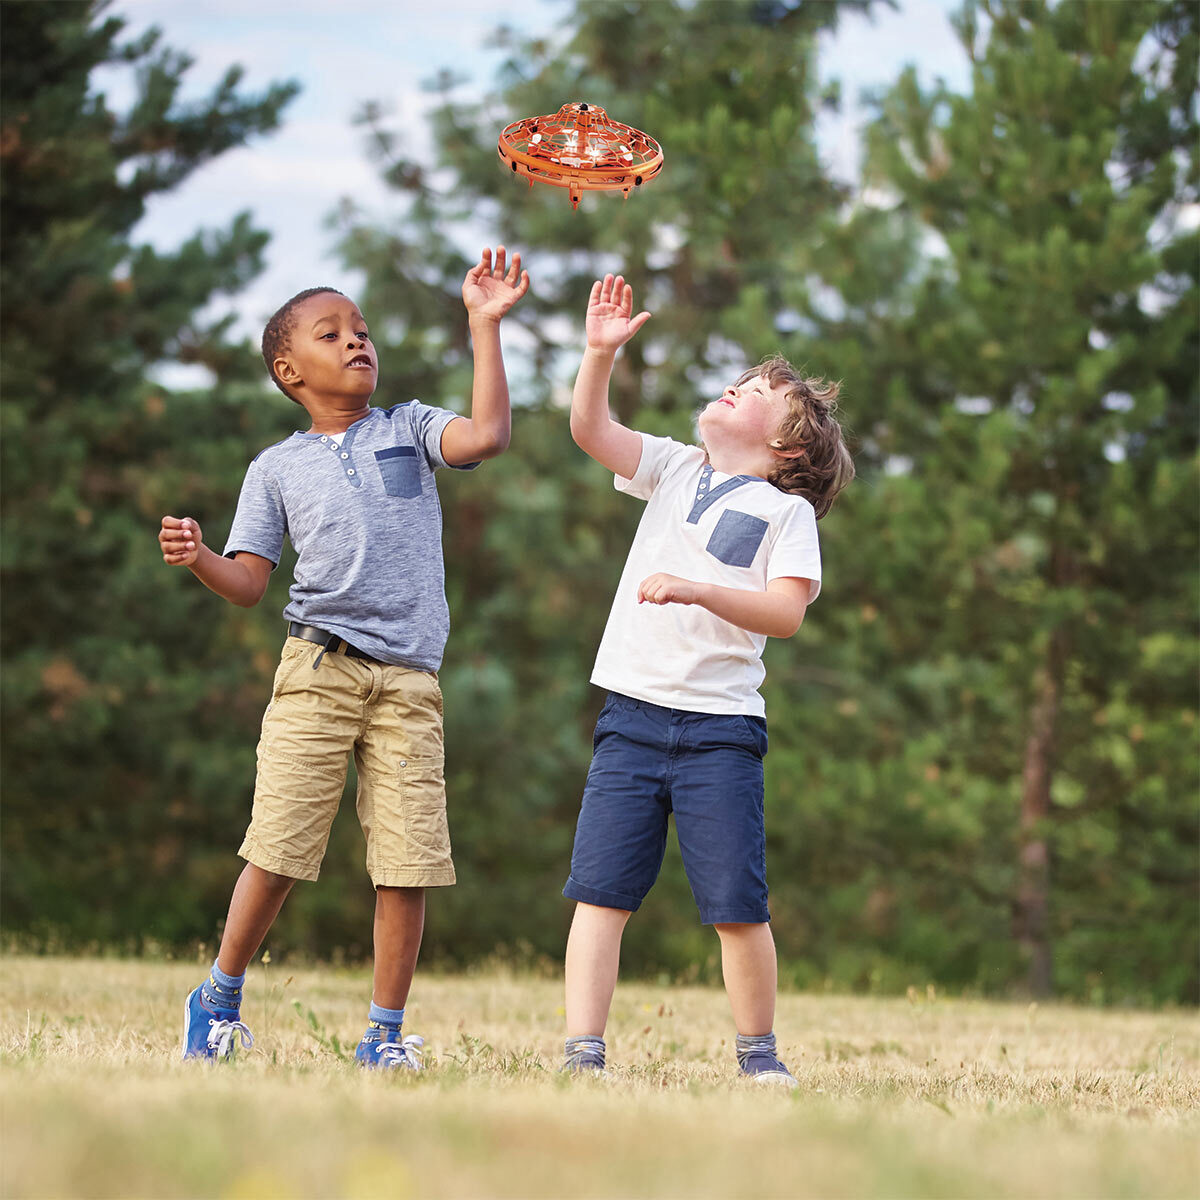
(1033, 893)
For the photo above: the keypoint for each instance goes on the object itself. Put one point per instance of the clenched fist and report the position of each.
(661, 588)
(180, 540)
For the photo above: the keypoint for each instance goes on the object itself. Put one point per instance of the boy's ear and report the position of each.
(286, 373)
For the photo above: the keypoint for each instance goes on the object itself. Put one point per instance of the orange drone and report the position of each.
(579, 148)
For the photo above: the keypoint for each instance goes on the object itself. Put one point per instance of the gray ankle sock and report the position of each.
(578, 1048)
(748, 1044)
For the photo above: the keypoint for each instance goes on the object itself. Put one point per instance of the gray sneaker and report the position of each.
(759, 1061)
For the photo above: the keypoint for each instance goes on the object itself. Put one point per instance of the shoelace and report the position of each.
(406, 1054)
(222, 1033)
(756, 1064)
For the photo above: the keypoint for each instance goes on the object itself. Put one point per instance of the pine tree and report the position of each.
(1038, 401)
(104, 693)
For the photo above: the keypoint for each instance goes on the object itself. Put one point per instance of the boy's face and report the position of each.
(746, 415)
(330, 356)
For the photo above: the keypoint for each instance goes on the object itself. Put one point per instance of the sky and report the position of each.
(293, 179)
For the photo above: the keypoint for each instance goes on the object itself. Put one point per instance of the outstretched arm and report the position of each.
(488, 294)
(777, 612)
(608, 328)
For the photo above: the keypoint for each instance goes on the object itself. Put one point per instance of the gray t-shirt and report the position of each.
(362, 511)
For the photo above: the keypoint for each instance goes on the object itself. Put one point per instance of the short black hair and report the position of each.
(277, 337)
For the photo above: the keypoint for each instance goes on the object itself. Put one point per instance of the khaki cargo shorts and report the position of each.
(391, 718)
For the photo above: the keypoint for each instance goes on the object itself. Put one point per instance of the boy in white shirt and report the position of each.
(725, 556)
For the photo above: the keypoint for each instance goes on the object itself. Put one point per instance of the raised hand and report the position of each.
(609, 306)
(180, 541)
(491, 292)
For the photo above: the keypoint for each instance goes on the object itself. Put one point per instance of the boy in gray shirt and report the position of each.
(367, 624)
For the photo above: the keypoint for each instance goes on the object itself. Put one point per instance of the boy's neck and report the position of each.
(329, 419)
(737, 460)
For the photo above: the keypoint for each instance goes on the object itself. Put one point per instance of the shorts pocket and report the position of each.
(614, 706)
(756, 729)
(400, 471)
(736, 538)
(603, 721)
(293, 657)
(423, 802)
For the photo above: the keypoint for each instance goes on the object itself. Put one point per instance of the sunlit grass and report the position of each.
(911, 1097)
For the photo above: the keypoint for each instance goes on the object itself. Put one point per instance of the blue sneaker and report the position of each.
(211, 1032)
(759, 1061)
(382, 1046)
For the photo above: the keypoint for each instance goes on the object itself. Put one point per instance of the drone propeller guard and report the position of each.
(581, 149)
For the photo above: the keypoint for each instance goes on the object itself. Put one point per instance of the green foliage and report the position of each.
(119, 685)
(1010, 605)
(1032, 557)
(1025, 416)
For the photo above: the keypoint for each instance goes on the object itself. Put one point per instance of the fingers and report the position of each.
(611, 292)
(178, 539)
(486, 266)
(653, 589)
(498, 267)
(615, 291)
(638, 322)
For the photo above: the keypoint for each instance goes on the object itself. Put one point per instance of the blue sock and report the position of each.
(379, 1015)
(222, 991)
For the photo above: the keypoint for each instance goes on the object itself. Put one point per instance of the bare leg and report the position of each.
(399, 923)
(258, 896)
(751, 972)
(593, 956)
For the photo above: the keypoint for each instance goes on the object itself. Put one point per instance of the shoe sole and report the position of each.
(187, 1026)
(775, 1079)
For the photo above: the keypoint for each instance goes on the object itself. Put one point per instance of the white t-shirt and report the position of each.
(733, 530)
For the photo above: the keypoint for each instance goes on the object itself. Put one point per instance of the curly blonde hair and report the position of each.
(814, 461)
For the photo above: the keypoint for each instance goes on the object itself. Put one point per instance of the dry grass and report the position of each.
(920, 1097)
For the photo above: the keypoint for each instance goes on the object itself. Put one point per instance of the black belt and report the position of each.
(310, 633)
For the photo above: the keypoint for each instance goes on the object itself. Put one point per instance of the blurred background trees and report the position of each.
(124, 694)
(983, 763)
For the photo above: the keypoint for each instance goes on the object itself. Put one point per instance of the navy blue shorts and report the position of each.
(707, 768)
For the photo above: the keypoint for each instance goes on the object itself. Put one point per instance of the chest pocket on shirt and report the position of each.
(400, 471)
(736, 538)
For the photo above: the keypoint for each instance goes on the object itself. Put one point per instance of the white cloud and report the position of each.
(868, 52)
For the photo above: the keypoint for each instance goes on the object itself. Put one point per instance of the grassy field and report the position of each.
(899, 1097)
